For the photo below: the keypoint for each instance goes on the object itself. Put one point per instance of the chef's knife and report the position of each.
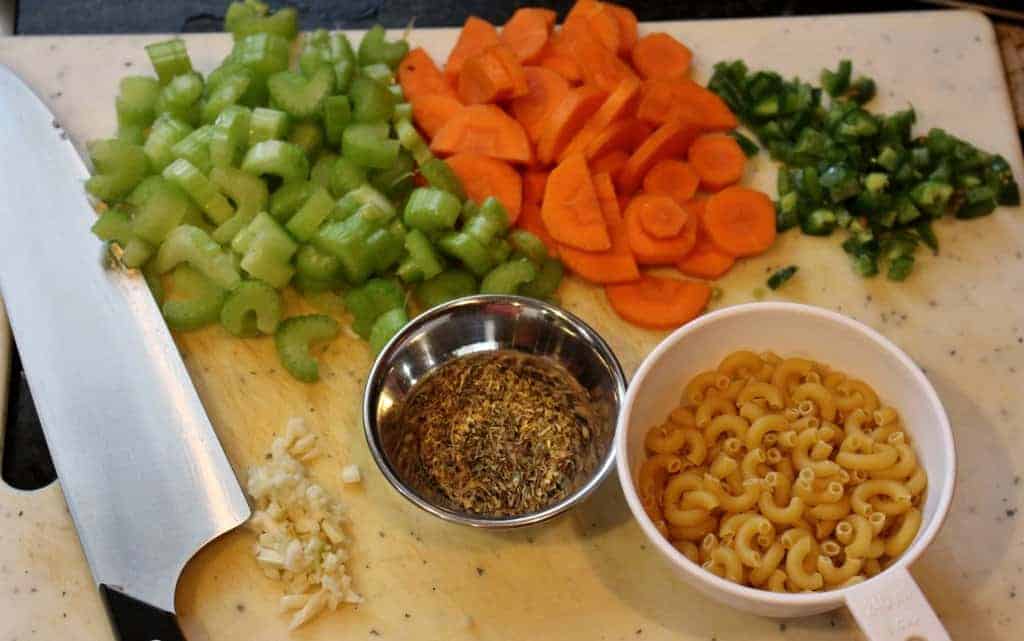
(144, 475)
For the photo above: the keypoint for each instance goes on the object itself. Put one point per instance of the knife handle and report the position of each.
(134, 620)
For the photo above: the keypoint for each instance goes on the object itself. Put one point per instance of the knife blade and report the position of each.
(145, 477)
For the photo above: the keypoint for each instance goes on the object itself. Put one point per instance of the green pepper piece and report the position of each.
(448, 285)
(119, 166)
(819, 222)
(278, 158)
(386, 326)
(978, 201)
(201, 304)
(836, 82)
(506, 278)
(781, 276)
(931, 196)
(251, 308)
(748, 146)
(295, 336)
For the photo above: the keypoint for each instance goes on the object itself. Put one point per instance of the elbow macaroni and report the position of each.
(784, 475)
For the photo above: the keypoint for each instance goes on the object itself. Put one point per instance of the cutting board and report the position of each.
(590, 575)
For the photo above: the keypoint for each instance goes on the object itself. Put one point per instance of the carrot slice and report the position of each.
(419, 76)
(485, 130)
(558, 57)
(673, 178)
(482, 177)
(616, 265)
(527, 31)
(593, 16)
(662, 218)
(476, 35)
(740, 221)
(656, 302)
(669, 140)
(657, 251)
(706, 260)
(571, 211)
(609, 202)
(609, 163)
(627, 27)
(619, 103)
(714, 113)
(430, 112)
(534, 183)
(657, 100)
(492, 75)
(530, 220)
(626, 135)
(718, 160)
(546, 89)
(659, 55)
(566, 119)
(599, 65)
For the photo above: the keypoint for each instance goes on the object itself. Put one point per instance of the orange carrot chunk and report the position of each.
(492, 75)
(662, 218)
(609, 202)
(718, 160)
(656, 302)
(609, 163)
(485, 130)
(624, 135)
(670, 140)
(571, 211)
(566, 119)
(706, 260)
(546, 89)
(740, 221)
(594, 17)
(558, 57)
(648, 249)
(419, 76)
(431, 111)
(599, 65)
(476, 35)
(482, 177)
(618, 104)
(534, 183)
(673, 178)
(659, 55)
(616, 265)
(627, 27)
(713, 112)
(527, 31)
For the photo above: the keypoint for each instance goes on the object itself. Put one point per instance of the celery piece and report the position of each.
(267, 124)
(251, 308)
(397, 181)
(227, 93)
(313, 264)
(448, 285)
(545, 284)
(313, 289)
(371, 100)
(154, 282)
(375, 48)
(295, 336)
(378, 72)
(397, 93)
(230, 136)
(366, 195)
(136, 100)
(345, 176)
(308, 135)
(320, 174)
(289, 197)
(194, 246)
(119, 167)
(249, 194)
(423, 262)
(200, 190)
(136, 253)
(266, 250)
(166, 132)
(169, 59)
(263, 53)
(467, 250)
(114, 226)
(490, 221)
(368, 302)
(529, 245)
(386, 248)
(411, 140)
(161, 213)
(180, 97)
(263, 262)
(346, 241)
(132, 134)
(500, 250)
(278, 158)
(201, 305)
(403, 111)
(305, 223)
(430, 209)
(241, 10)
(337, 112)
(506, 278)
(344, 72)
(283, 23)
(195, 148)
(298, 96)
(440, 176)
(364, 144)
(386, 326)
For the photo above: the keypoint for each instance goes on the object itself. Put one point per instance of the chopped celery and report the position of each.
(202, 192)
(308, 135)
(314, 264)
(375, 48)
(187, 244)
(229, 136)
(166, 132)
(159, 214)
(423, 262)
(402, 111)
(346, 241)
(278, 158)
(180, 97)
(506, 278)
(386, 326)
(245, 18)
(251, 308)
(266, 250)
(267, 124)
(337, 112)
(136, 253)
(368, 302)
(367, 145)
(545, 284)
(396, 182)
(440, 176)
(169, 58)
(529, 245)
(410, 139)
(249, 194)
(379, 73)
(430, 209)
(120, 166)
(371, 101)
(346, 176)
(227, 93)
(114, 226)
(491, 220)
(501, 250)
(289, 197)
(299, 96)
(295, 336)
(135, 104)
(195, 148)
(367, 195)
(262, 53)
(448, 285)
(467, 250)
(201, 302)
(320, 173)
(386, 247)
(305, 223)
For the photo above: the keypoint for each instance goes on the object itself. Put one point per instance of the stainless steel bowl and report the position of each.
(478, 324)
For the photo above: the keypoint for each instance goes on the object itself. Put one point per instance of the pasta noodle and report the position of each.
(782, 474)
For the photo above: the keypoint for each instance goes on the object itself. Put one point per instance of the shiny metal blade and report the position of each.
(144, 475)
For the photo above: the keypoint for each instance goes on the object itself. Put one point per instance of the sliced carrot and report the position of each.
(534, 183)
(571, 211)
(673, 178)
(431, 111)
(492, 75)
(657, 251)
(740, 221)
(546, 89)
(663, 101)
(669, 140)
(476, 35)
(482, 177)
(616, 265)
(718, 160)
(419, 76)
(619, 103)
(527, 31)
(627, 27)
(530, 220)
(697, 206)
(558, 57)
(656, 302)
(625, 135)
(662, 218)
(599, 66)
(609, 163)
(566, 119)
(706, 260)
(485, 130)
(714, 113)
(659, 55)
(596, 18)
(609, 202)
(657, 100)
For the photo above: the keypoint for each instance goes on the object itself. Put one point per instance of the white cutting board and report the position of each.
(590, 576)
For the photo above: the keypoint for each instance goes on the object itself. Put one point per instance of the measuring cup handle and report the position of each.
(891, 607)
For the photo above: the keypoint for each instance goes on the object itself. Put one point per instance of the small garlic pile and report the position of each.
(301, 541)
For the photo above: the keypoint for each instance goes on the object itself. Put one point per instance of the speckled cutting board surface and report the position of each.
(590, 575)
